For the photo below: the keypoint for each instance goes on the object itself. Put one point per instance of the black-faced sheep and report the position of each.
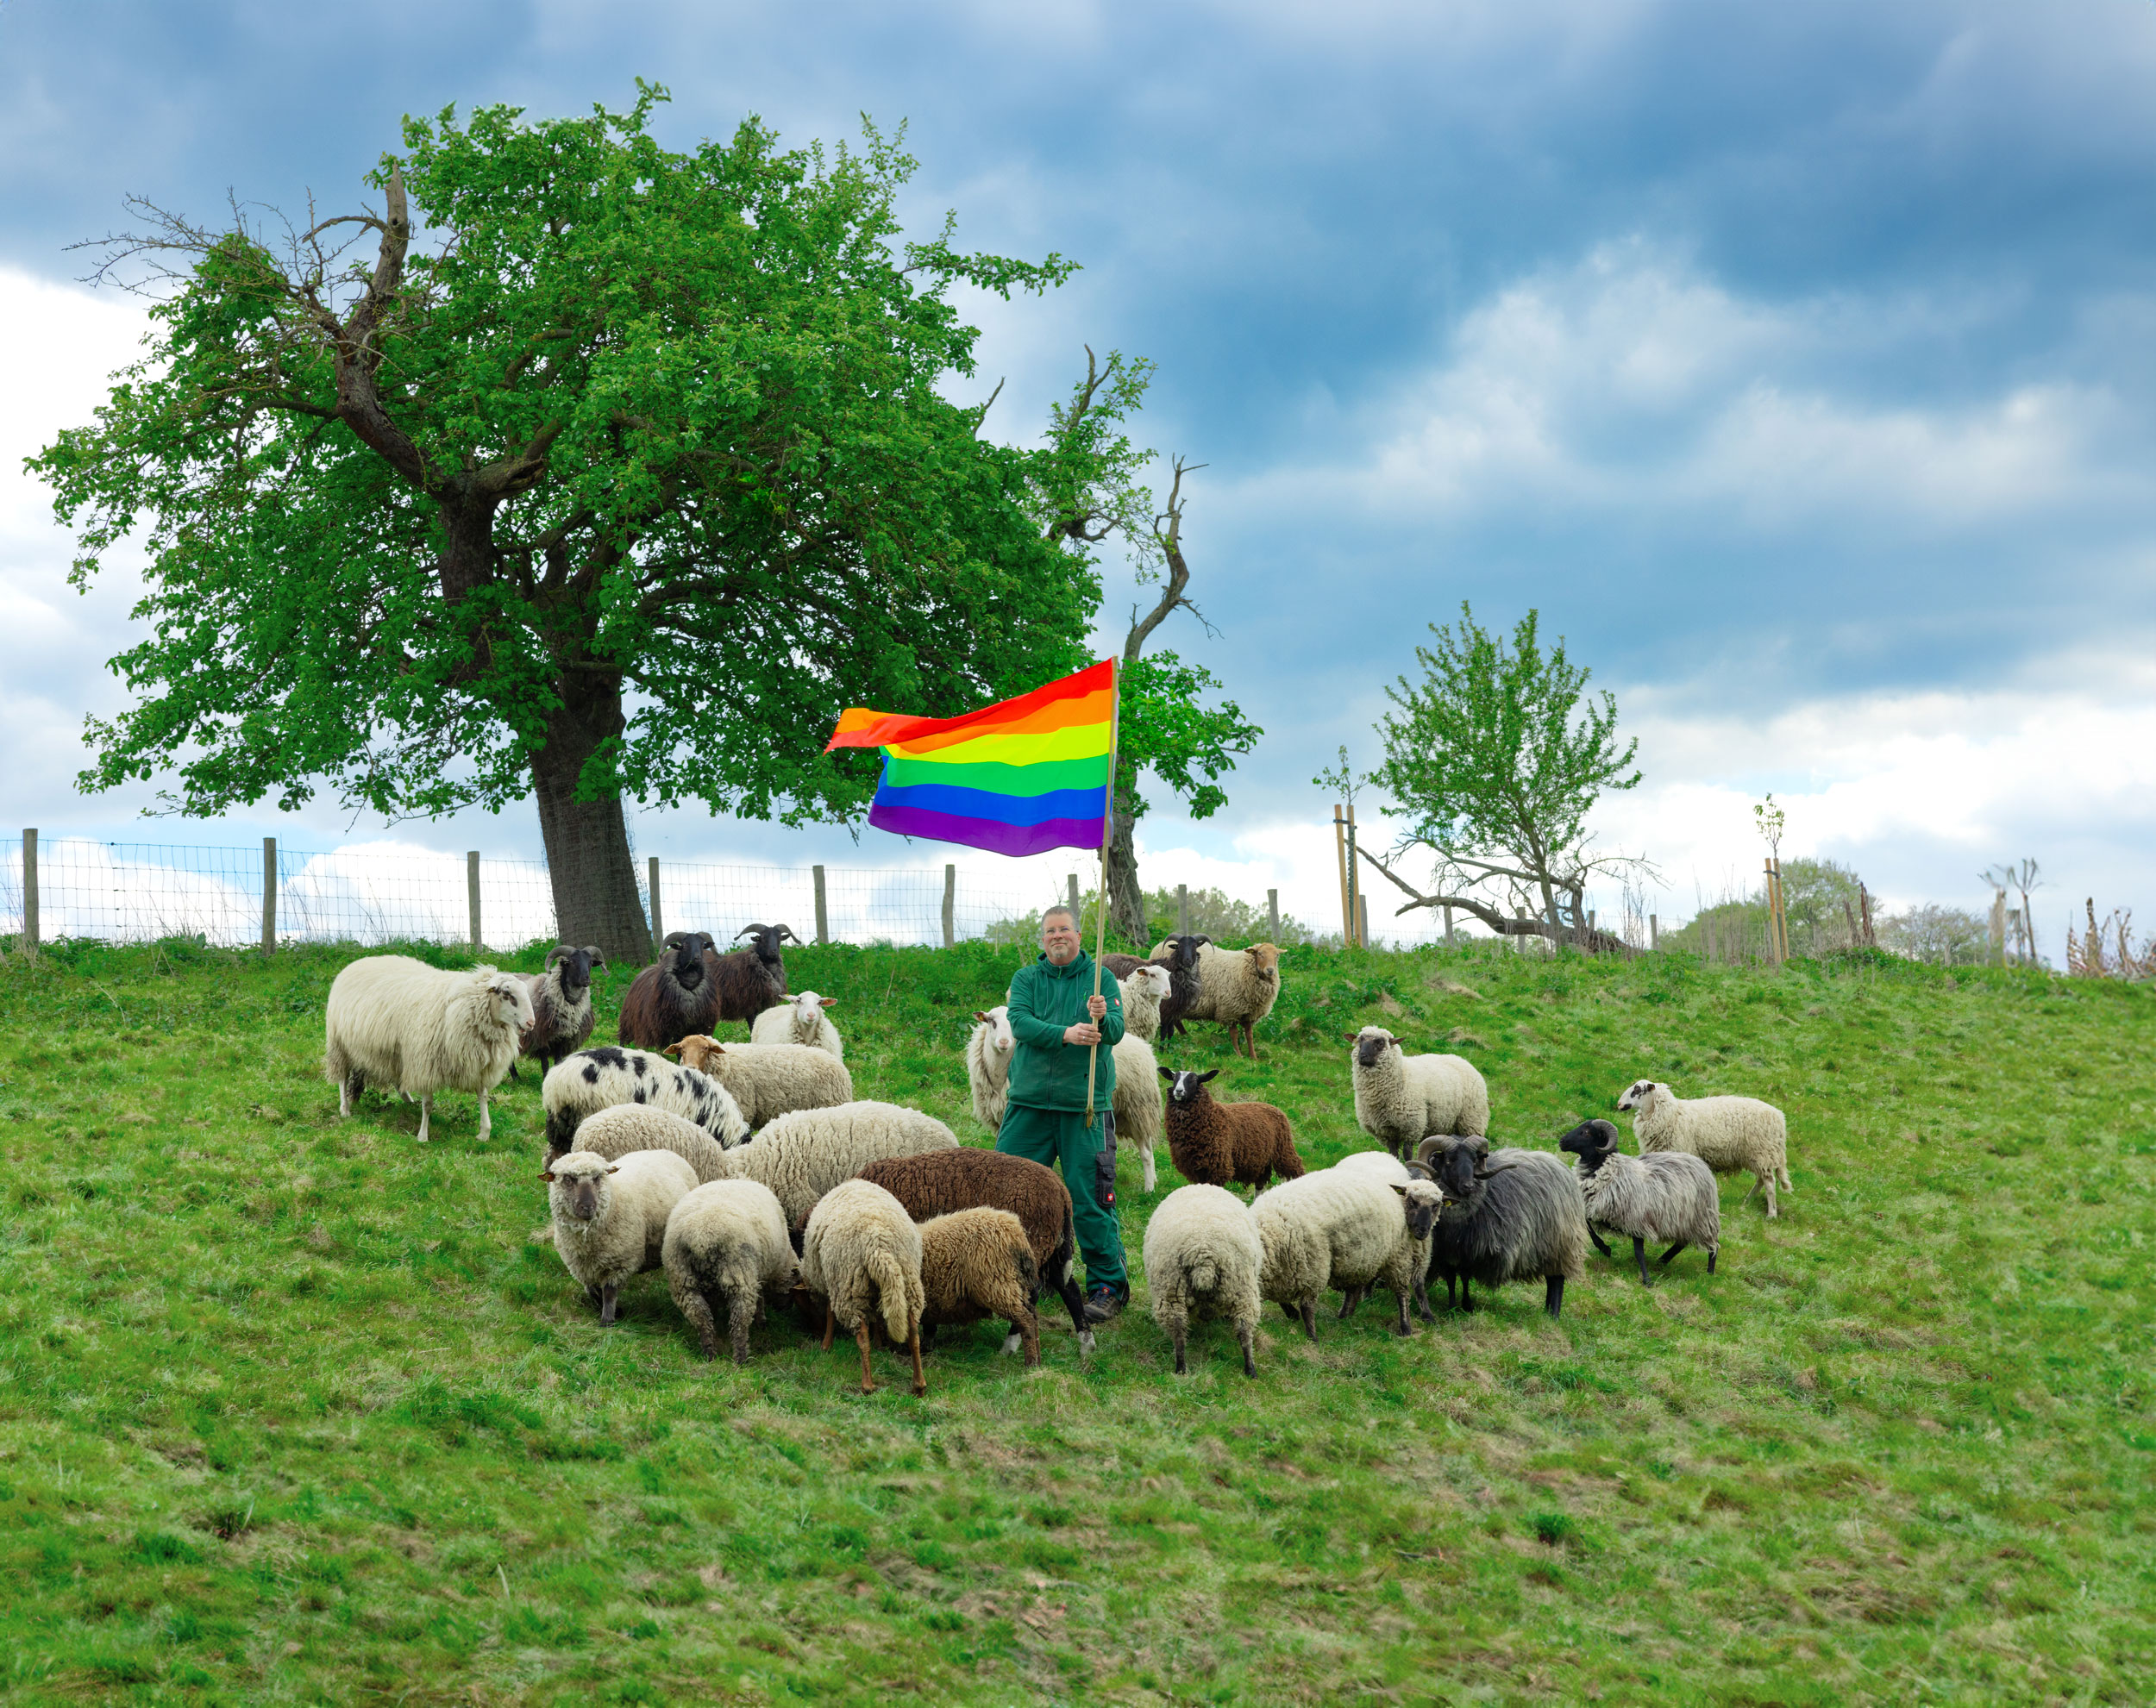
(1221, 1144)
(1664, 1195)
(749, 980)
(392, 1020)
(673, 997)
(560, 1005)
(1178, 958)
(1509, 1216)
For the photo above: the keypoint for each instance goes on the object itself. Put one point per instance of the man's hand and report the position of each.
(1083, 1032)
(1097, 1006)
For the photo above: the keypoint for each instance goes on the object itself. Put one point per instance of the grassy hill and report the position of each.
(292, 1409)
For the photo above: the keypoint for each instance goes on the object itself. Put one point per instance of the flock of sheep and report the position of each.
(753, 1177)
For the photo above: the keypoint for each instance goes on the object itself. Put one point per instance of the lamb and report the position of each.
(394, 1021)
(977, 1263)
(769, 1080)
(1238, 987)
(1509, 1216)
(613, 1133)
(804, 1155)
(1203, 1259)
(593, 1080)
(672, 997)
(560, 1005)
(799, 1020)
(1728, 1134)
(1178, 958)
(726, 1251)
(862, 1256)
(750, 980)
(610, 1218)
(1218, 1144)
(1664, 1195)
(1346, 1232)
(1144, 988)
(1401, 1099)
(937, 1182)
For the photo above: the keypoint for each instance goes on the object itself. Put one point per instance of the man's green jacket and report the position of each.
(1047, 1072)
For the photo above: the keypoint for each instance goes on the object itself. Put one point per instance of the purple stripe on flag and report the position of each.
(983, 833)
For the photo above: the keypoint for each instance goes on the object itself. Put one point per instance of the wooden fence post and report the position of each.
(823, 911)
(658, 927)
(1357, 912)
(269, 895)
(1998, 927)
(1070, 888)
(1519, 938)
(950, 906)
(471, 893)
(1448, 927)
(1272, 913)
(29, 895)
(1654, 932)
(1361, 921)
(1182, 908)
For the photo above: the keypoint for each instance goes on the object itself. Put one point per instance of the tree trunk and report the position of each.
(595, 899)
(1126, 902)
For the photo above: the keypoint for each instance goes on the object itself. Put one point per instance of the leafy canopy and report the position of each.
(658, 432)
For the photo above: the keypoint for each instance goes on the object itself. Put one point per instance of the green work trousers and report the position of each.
(1049, 1135)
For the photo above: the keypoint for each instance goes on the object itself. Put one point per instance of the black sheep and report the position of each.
(748, 981)
(674, 998)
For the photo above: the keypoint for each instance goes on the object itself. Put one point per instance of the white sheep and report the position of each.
(1143, 992)
(610, 1218)
(1379, 1165)
(613, 1133)
(1662, 1196)
(769, 1080)
(1330, 1231)
(799, 1020)
(593, 1080)
(861, 1255)
(394, 1021)
(1139, 1117)
(726, 1251)
(1237, 987)
(1729, 1135)
(804, 1155)
(1203, 1259)
(1401, 1099)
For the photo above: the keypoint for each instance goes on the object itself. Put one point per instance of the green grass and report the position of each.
(292, 1411)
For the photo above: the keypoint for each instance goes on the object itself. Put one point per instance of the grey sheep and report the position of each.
(1728, 1134)
(769, 1080)
(978, 1263)
(613, 1133)
(726, 1251)
(1509, 1216)
(560, 1005)
(937, 1182)
(610, 1218)
(1664, 1195)
(1237, 987)
(1203, 1259)
(1220, 1144)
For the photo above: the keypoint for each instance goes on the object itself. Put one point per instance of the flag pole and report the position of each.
(1101, 907)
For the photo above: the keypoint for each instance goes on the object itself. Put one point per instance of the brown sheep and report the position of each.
(937, 1182)
(673, 998)
(748, 981)
(978, 1263)
(1220, 1144)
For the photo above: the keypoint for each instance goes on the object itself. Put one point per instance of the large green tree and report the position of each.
(583, 469)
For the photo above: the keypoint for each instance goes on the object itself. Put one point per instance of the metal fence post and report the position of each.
(1272, 912)
(658, 929)
(30, 894)
(269, 895)
(471, 893)
(1182, 908)
(950, 906)
(823, 911)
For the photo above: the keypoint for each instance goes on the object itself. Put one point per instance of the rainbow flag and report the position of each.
(1016, 777)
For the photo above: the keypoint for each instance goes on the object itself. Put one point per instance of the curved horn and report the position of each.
(597, 960)
(674, 939)
(750, 931)
(556, 953)
(786, 935)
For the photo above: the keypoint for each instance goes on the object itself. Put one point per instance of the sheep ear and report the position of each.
(1168, 1073)
(983, 1018)
(1210, 1074)
(614, 1168)
(547, 1175)
(671, 1049)
(1397, 1188)
(827, 1002)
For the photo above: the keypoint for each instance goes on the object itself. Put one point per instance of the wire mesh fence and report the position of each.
(123, 892)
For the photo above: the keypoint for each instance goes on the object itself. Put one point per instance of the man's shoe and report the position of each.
(1104, 1305)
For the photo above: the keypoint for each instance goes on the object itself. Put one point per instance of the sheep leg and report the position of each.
(1146, 1156)
(1246, 1333)
(1176, 1322)
(1597, 1238)
(1309, 1318)
(1673, 1251)
(608, 1295)
(1467, 1294)
(349, 1090)
(698, 1310)
(426, 1108)
(1553, 1296)
(1422, 1302)
(831, 1325)
(1075, 1303)
(1350, 1297)
(913, 1345)
(868, 1378)
(1405, 1329)
(1639, 1256)
(486, 1121)
(1027, 1332)
(1774, 1209)
(1711, 1253)
(740, 1317)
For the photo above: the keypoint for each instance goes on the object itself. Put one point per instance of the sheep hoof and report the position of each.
(1085, 1341)
(1010, 1344)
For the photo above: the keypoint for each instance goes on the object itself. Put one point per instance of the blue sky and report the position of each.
(1797, 363)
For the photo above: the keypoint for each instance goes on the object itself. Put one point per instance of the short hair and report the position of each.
(1053, 911)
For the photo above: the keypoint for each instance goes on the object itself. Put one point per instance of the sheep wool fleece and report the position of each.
(1045, 1120)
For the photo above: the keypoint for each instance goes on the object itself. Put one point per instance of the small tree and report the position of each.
(1494, 759)
(2021, 879)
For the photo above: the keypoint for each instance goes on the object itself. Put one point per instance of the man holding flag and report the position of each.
(1019, 778)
